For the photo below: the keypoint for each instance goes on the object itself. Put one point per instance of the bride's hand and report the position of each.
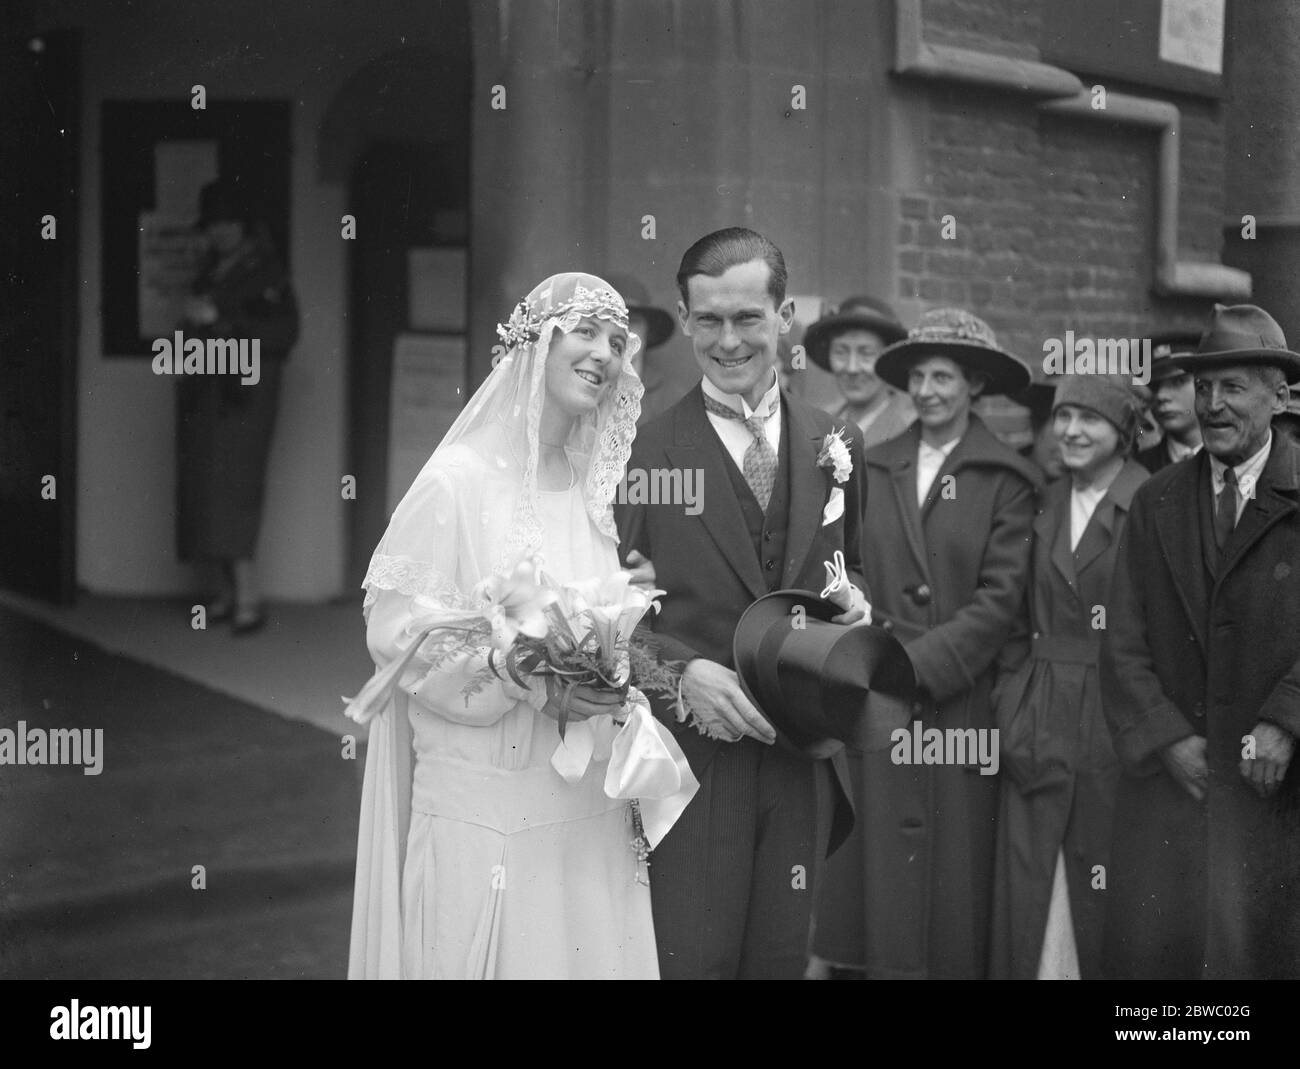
(585, 701)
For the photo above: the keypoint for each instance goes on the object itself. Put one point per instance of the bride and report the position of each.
(479, 860)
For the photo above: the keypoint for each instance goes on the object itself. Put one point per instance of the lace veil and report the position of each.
(486, 465)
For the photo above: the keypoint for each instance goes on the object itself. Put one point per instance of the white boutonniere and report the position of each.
(835, 456)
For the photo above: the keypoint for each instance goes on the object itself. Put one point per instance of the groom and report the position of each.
(732, 882)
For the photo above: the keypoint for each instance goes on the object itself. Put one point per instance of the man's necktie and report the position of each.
(1225, 508)
(760, 458)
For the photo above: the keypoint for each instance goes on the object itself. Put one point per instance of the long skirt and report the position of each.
(223, 438)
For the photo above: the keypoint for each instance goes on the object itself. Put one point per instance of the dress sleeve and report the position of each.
(442, 690)
(426, 553)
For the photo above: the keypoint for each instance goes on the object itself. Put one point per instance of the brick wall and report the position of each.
(1055, 216)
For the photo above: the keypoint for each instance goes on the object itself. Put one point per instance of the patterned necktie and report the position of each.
(1225, 508)
(760, 458)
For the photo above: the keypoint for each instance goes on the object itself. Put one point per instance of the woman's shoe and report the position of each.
(247, 619)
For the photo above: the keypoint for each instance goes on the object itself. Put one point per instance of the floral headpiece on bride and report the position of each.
(530, 318)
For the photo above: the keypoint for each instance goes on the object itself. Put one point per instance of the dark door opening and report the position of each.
(405, 197)
(40, 130)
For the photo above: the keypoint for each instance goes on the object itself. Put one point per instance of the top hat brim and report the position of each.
(756, 656)
(659, 324)
(817, 338)
(1285, 359)
(1005, 374)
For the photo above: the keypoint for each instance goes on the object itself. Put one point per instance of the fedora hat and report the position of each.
(856, 313)
(962, 337)
(820, 684)
(1242, 334)
(659, 324)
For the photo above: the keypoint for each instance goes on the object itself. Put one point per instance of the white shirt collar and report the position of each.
(769, 403)
(943, 451)
(1248, 471)
(1176, 451)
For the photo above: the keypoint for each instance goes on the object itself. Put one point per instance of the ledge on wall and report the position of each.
(1060, 92)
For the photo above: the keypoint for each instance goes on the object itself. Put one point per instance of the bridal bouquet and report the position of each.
(571, 634)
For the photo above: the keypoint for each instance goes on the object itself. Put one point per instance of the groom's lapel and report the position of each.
(696, 446)
(808, 488)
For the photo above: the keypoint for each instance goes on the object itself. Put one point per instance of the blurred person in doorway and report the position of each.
(224, 423)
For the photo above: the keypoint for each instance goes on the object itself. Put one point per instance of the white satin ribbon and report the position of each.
(645, 763)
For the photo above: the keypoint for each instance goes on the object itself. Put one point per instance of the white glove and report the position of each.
(841, 592)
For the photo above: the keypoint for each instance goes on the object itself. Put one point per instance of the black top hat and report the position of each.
(637, 298)
(821, 684)
(856, 313)
(1242, 334)
(962, 337)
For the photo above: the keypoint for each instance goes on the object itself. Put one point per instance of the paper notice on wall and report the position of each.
(1191, 33)
(428, 392)
(180, 170)
(169, 252)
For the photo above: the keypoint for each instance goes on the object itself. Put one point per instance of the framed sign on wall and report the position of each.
(1167, 44)
(156, 156)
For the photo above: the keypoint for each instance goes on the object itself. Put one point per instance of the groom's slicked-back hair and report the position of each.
(714, 254)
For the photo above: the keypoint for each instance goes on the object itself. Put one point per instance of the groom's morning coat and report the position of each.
(714, 565)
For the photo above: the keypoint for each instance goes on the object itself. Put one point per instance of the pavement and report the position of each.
(218, 839)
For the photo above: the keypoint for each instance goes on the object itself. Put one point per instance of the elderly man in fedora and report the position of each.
(1174, 401)
(1201, 683)
(847, 343)
(945, 554)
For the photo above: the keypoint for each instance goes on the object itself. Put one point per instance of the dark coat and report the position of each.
(254, 299)
(707, 563)
(1156, 458)
(224, 427)
(1059, 769)
(721, 880)
(1209, 646)
(909, 895)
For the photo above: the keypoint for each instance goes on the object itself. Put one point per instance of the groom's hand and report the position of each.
(712, 694)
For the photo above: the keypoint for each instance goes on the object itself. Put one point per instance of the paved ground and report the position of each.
(96, 871)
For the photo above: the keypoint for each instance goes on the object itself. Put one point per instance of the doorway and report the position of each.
(40, 130)
(409, 199)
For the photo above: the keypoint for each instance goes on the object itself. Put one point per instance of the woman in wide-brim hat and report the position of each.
(946, 541)
(963, 338)
(1059, 769)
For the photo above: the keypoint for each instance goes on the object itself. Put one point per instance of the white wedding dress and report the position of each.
(476, 859)
(509, 870)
